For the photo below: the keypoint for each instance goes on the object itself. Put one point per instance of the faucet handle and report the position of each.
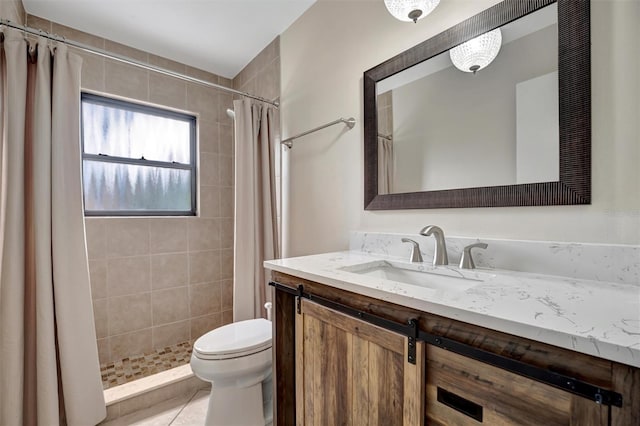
(416, 256)
(466, 262)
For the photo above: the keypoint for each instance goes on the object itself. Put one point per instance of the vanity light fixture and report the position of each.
(478, 52)
(410, 10)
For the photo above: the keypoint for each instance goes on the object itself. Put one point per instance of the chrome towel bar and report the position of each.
(350, 122)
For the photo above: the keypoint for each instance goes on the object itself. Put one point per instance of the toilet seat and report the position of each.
(234, 340)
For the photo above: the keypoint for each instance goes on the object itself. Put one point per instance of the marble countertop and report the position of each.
(592, 317)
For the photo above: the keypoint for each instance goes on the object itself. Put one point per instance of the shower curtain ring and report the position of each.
(33, 52)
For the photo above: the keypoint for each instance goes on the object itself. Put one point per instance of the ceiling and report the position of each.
(219, 36)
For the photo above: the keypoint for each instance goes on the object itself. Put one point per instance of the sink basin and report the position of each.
(444, 278)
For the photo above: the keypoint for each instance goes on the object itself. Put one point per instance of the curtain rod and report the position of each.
(130, 61)
(350, 122)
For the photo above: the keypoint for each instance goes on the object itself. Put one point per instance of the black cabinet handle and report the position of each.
(458, 403)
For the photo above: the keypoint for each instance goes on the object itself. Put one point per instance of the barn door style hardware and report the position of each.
(409, 330)
(299, 296)
(412, 331)
(411, 339)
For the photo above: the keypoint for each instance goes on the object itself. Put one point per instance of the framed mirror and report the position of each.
(516, 132)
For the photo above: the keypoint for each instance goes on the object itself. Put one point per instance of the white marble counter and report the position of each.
(593, 317)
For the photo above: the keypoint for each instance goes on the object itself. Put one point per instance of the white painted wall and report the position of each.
(324, 54)
(537, 130)
(453, 129)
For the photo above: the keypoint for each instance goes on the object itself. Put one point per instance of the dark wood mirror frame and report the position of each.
(574, 74)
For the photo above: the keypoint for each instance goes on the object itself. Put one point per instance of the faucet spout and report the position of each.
(440, 254)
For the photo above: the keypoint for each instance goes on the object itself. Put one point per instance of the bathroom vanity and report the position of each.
(357, 340)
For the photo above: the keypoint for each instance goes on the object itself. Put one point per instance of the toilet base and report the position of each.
(235, 406)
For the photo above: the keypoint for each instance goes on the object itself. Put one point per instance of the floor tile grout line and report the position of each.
(183, 407)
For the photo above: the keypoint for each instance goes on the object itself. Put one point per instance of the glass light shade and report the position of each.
(410, 10)
(477, 53)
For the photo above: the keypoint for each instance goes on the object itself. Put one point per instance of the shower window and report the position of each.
(137, 160)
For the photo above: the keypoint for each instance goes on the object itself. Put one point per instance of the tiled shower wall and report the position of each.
(261, 76)
(160, 281)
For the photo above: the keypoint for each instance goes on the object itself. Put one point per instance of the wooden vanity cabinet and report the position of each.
(334, 369)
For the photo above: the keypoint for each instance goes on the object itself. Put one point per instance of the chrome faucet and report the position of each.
(440, 254)
(416, 256)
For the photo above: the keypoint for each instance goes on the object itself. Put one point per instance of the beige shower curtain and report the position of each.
(385, 165)
(49, 370)
(256, 227)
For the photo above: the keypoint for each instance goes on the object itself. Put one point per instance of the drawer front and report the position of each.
(463, 391)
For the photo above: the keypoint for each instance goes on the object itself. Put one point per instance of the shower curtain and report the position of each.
(385, 165)
(256, 226)
(49, 369)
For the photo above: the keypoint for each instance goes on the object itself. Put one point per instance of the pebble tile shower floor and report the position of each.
(139, 366)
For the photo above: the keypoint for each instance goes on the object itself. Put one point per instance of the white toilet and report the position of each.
(236, 359)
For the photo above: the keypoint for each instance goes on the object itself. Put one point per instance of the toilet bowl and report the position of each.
(236, 359)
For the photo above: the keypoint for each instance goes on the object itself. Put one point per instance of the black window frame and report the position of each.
(150, 110)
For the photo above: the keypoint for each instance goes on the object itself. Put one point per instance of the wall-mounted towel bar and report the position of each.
(350, 122)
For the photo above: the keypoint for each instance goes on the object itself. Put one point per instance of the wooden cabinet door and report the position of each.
(349, 372)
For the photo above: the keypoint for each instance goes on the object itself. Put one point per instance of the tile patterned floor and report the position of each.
(189, 410)
(138, 366)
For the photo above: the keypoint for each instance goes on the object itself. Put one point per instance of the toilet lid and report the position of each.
(235, 339)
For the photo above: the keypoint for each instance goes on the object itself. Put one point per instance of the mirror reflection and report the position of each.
(443, 128)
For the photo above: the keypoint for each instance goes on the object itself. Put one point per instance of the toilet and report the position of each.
(236, 360)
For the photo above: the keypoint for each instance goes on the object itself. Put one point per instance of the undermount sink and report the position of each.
(445, 278)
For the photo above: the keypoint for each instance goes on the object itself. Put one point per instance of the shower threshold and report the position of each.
(139, 382)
